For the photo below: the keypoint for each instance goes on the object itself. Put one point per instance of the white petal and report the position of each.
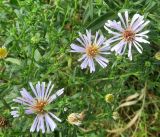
(60, 92)
(141, 27)
(106, 47)
(134, 18)
(111, 40)
(38, 89)
(83, 57)
(54, 96)
(47, 125)
(50, 122)
(42, 90)
(84, 63)
(91, 65)
(138, 45)
(139, 35)
(34, 125)
(55, 117)
(122, 52)
(100, 40)
(111, 32)
(126, 17)
(77, 48)
(143, 33)
(122, 20)
(51, 98)
(118, 47)
(140, 39)
(138, 22)
(26, 94)
(38, 124)
(102, 58)
(105, 53)
(42, 127)
(139, 50)
(102, 63)
(114, 25)
(20, 102)
(84, 38)
(50, 90)
(129, 51)
(23, 101)
(15, 113)
(48, 87)
(34, 91)
(29, 111)
(96, 37)
(89, 36)
(81, 42)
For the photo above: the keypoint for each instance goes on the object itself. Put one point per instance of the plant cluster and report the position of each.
(106, 94)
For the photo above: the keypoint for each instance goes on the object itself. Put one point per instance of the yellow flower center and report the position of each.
(3, 53)
(92, 50)
(128, 35)
(109, 98)
(157, 55)
(39, 106)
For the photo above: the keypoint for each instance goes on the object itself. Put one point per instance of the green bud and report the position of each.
(35, 39)
(157, 55)
(147, 63)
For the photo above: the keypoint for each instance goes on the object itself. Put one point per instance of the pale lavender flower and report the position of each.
(127, 33)
(92, 49)
(15, 112)
(36, 105)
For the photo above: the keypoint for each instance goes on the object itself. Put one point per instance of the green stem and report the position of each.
(41, 135)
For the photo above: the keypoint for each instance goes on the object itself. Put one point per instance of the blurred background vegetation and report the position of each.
(38, 34)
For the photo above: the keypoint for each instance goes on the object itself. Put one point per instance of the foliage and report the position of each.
(38, 35)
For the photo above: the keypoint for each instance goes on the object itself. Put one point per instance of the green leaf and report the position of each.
(99, 22)
(37, 55)
(14, 61)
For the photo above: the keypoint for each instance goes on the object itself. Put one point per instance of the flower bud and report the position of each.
(157, 55)
(109, 98)
(115, 115)
(76, 118)
(3, 52)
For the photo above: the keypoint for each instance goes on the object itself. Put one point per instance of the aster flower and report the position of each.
(3, 52)
(15, 112)
(36, 105)
(92, 49)
(127, 33)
